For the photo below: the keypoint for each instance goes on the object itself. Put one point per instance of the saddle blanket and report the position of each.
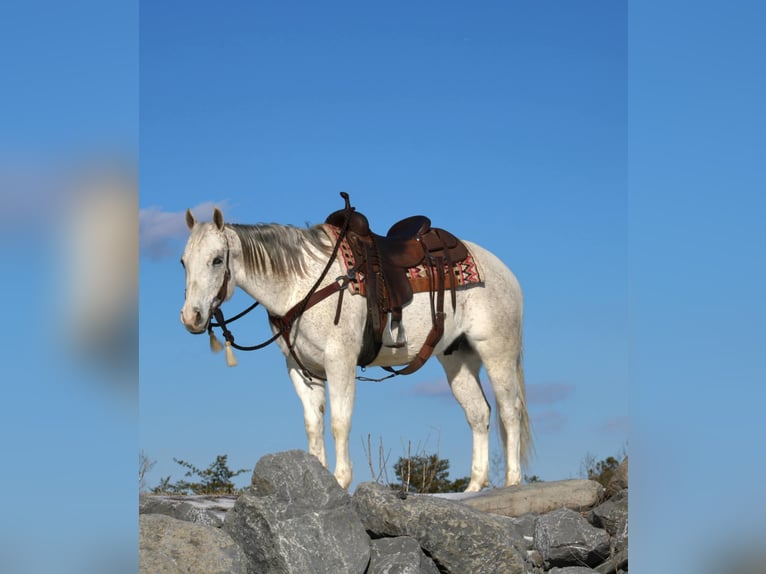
(464, 272)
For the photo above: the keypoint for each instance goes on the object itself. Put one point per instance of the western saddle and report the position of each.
(383, 261)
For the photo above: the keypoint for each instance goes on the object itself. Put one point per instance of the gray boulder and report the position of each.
(524, 529)
(400, 555)
(537, 497)
(618, 564)
(612, 516)
(458, 539)
(167, 545)
(565, 538)
(571, 570)
(297, 519)
(183, 508)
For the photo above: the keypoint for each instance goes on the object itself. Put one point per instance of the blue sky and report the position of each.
(506, 125)
(629, 185)
(68, 429)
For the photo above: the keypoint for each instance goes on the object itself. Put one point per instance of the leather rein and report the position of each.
(285, 323)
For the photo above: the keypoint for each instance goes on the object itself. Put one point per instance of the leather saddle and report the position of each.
(384, 261)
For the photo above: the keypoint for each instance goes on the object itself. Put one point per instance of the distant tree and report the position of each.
(215, 479)
(601, 471)
(145, 464)
(427, 473)
(530, 479)
(459, 484)
(604, 470)
(164, 487)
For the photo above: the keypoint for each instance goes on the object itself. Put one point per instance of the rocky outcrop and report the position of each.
(295, 518)
(612, 516)
(171, 546)
(400, 555)
(538, 497)
(456, 537)
(198, 509)
(564, 537)
(571, 570)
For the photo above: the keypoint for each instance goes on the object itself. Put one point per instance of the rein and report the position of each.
(284, 323)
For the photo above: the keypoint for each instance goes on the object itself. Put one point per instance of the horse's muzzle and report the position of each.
(194, 321)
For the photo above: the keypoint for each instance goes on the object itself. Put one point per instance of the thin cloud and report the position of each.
(432, 388)
(539, 394)
(161, 232)
(545, 422)
(616, 425)
(548, 393)
(548, 422)
(440, 388)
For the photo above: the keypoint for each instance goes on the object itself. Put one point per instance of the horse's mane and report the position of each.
(280, 249)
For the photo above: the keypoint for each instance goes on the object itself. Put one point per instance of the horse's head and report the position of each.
(208, 278)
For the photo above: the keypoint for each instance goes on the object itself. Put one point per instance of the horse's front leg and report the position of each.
(312, 396)
(341, 380)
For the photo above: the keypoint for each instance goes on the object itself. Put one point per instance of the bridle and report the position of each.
(221, 296)
(220, 321)
(283, 323)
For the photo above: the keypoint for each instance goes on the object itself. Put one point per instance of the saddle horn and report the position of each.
(345, 196)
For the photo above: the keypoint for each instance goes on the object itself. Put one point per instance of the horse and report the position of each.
(277, 265)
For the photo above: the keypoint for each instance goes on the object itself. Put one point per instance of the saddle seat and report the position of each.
(385, 259)
(407, 242)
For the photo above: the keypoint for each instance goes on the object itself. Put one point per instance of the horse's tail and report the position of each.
(526, 446)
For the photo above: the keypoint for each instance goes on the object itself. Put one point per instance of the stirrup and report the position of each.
(388, 334)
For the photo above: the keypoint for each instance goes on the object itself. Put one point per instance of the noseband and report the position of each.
(221, 296)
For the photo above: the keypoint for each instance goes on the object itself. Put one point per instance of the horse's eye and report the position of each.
(182, 264)
(217, 261)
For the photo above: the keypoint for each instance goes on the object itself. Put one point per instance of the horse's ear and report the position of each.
(190, 221)
(218, 219)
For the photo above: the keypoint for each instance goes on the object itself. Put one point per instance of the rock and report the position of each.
(167, 545)
(458, 539)
(535, 559)
(400, 555)
(619, 480)
(297, 519)
(619, 563)
(565, 538)
(612, 516)
(524, 528)
(538, 497)
(202, 510)
(299, 478)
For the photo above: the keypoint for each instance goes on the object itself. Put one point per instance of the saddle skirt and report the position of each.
(420, 276)
(388, 269)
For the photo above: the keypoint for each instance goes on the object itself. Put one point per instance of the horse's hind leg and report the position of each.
(462, 368)
(502, 360)
(312, 398)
